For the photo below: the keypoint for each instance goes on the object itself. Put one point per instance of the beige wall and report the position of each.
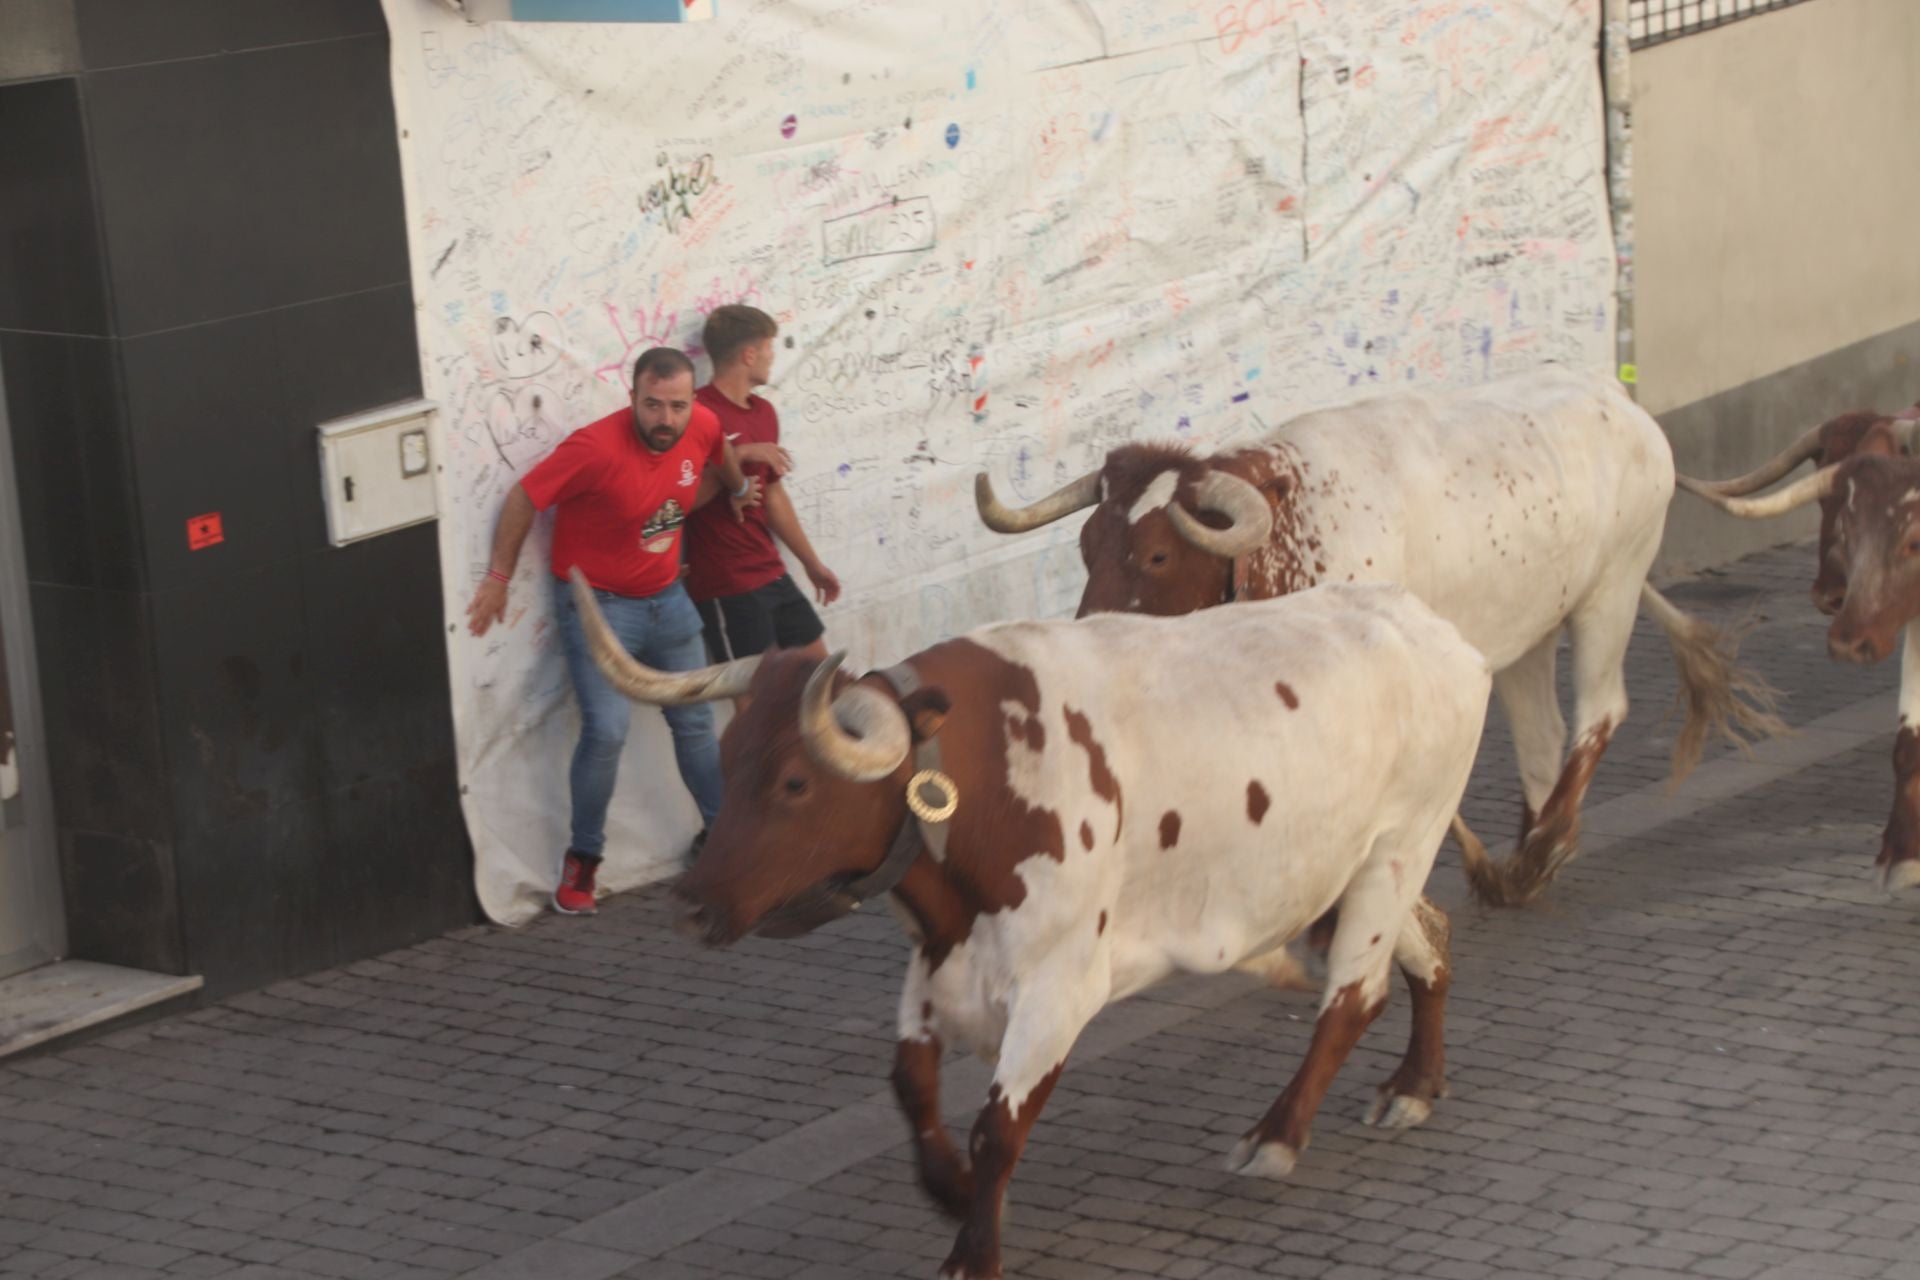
(1777, 193)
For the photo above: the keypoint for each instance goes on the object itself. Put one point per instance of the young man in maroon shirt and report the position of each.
(623, 486)
(747, 600)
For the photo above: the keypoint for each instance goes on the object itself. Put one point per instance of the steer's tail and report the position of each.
(1521, 878)
(1717, 696)
(1487, 877)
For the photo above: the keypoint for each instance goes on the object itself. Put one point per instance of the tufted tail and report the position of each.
(1718, 697)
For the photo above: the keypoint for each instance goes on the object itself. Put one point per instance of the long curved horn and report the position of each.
(1234, 498)
(861, 735)
(1796, 495)
(1057, 505)
(643, 683)
(1803, 448)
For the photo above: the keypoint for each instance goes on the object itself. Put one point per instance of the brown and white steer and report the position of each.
(1512, 509)
(1868, 489)
(1137, 797)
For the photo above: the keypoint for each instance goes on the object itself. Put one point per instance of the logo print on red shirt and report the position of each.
(657, 534)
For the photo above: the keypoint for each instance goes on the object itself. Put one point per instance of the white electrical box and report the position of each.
(376, 471)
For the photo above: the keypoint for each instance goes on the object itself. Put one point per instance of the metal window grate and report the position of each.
(1653, 21)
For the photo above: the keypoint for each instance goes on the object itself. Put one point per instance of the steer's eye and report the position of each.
(1157, 559)
(796, 786)
(1913, 546)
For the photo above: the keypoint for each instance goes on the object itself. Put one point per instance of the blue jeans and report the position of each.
(662, 631)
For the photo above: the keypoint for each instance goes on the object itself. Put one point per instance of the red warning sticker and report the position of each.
(204, 531)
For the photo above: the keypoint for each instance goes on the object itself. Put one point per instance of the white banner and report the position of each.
(1001, 234)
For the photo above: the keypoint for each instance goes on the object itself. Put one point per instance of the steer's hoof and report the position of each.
(1253, 1158)
(1904, 874)
(1398, 1111)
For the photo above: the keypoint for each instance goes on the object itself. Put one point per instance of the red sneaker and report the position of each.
(574, 897)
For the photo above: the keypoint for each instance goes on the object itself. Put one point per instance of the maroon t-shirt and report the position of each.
(727, 557)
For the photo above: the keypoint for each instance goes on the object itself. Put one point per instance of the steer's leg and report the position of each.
(916, 1084)
(1602, 625)
(1050, 1007)
(1426, 962)
(1532, 703)
(1899, 860)
(1373, 911)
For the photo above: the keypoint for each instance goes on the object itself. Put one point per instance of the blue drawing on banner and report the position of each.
(953, 135)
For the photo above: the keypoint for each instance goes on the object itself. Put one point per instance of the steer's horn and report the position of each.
(1807, 446)
(1057, 505)
(1796, 495)
(1234, 498)
(643, 683)
(861, 735)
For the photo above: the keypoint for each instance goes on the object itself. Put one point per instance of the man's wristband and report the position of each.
(498, 576)
(746, 487)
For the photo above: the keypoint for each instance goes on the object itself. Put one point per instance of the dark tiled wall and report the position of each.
(252, 745)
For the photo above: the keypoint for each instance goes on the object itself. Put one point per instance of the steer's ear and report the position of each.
(926, 711)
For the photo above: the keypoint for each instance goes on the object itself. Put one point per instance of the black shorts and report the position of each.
(755, 621)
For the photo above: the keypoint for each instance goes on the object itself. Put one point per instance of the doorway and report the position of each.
(32, 919)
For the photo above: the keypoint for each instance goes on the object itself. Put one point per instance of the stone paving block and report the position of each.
(203, 1266)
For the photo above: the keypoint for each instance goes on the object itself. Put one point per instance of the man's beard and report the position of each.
(660, 439)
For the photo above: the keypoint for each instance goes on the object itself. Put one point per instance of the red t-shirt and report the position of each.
(621, 504)
(726, 557)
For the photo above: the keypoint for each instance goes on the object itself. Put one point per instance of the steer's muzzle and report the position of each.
(1863, 648)
(699, 921)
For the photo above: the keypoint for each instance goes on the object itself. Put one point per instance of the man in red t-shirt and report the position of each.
(623, 486)
(736, 577)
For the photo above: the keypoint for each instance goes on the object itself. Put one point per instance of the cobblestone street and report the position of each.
(1696, 1059)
